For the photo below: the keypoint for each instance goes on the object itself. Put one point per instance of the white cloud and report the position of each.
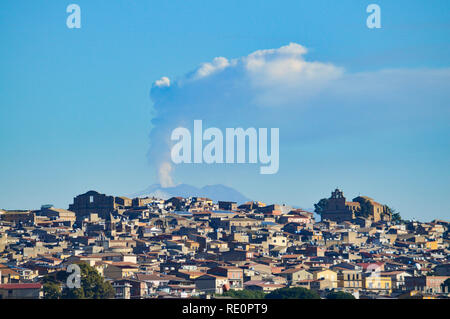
(206, 69)
(307, 100)
(282, 75)
(163, 82)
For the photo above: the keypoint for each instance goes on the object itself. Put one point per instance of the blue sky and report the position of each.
(75, 105)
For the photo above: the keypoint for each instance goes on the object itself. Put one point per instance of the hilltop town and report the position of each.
(196, 248)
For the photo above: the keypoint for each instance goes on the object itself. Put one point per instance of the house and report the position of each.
(275, 240)
(8, 275)
(397, 277)
(59, 214)
(431, 284)
(122, 290)
(234, 275)
(375, 282)
(321, 284)
(235, 255)
(442, 270)
(119, 270)
(211, 284)
(182, 289)
(349, 279)
(21, 291)
(328, 275)
(295, 275)
(18, 216)
(233, 223)
(264, 286)
(137, 289)
(153, 281)
(227, 205)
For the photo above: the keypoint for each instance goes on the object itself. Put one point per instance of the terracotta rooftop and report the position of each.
(21, 286)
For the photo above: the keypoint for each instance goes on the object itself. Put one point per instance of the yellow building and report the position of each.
(433, 245)
(349, 279)
(328, 275)
(377, 283)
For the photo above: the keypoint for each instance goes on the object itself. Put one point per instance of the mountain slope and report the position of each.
(214, 192)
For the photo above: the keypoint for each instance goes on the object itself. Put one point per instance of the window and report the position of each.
(91, 199)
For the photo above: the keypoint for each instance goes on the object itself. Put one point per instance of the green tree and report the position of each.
(73, 293)
(321, 206)
(52, 290)
(340, 295)
(93, 286)
(51, 286)
(396, 218)
(366, 207)
(293, 293)
(244, 294)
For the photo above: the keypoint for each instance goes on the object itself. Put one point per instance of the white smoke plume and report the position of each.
(165, 175)
(307, 100)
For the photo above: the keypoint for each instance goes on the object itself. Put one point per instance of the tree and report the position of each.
(340, 295)
(293, 293)
(244, 294)
(52, 290)
(396, 218)
(93, 285)
(321, 206)
(52, 286)
(366, 207)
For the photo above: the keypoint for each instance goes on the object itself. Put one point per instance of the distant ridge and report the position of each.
(214, 192)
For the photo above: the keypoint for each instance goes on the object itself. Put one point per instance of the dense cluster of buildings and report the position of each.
(189, 247)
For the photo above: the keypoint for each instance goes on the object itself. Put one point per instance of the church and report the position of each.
(338, 209)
